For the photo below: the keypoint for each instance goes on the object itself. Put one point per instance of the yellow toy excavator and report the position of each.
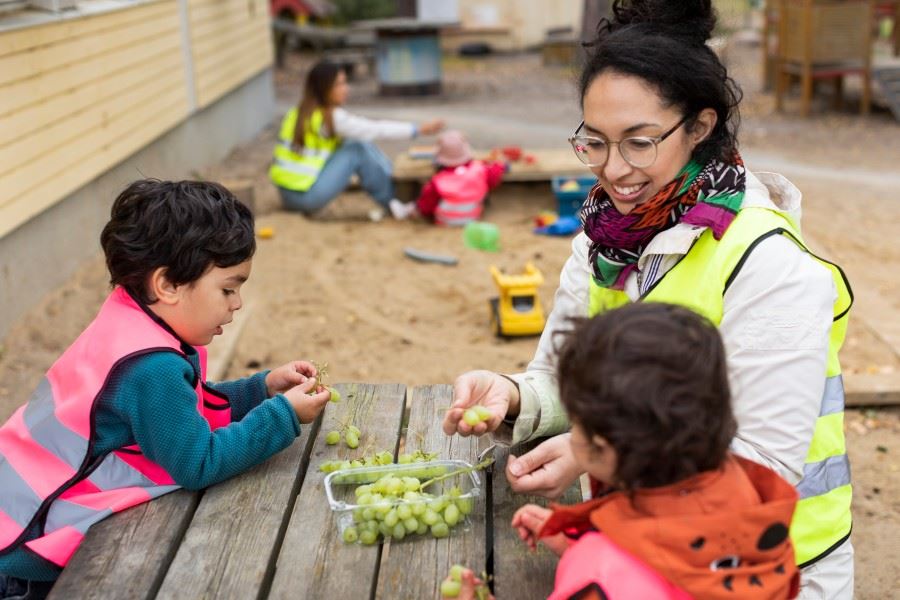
(518, 310)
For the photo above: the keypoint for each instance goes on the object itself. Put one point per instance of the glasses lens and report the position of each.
(639, 152)
(590, 151)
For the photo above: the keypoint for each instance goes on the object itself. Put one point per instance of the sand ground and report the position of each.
(338, 288)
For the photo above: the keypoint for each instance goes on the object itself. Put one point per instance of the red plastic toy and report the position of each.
(512, 153)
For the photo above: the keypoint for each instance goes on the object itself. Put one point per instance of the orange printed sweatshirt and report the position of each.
(720, 534)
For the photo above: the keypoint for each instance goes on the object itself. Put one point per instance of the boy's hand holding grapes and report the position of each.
(297, 381)
(283, 378)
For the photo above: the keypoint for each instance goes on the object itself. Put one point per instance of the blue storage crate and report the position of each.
(569, 202)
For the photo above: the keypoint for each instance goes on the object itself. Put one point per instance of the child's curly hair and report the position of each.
(185, 226)
(651, 379)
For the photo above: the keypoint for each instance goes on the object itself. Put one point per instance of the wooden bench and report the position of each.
(547, 164)
(411, 172)
(269, 532)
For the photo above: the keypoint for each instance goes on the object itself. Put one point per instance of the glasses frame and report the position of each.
(653, 139)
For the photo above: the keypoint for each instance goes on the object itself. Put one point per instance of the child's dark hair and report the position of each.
(651, 379)
(185, 226)
(663, 42)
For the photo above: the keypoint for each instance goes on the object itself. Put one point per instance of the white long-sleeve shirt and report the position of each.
(775, 327)
(354, 127)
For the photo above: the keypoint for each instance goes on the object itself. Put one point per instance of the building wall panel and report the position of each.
(79, 96)
(230, 43)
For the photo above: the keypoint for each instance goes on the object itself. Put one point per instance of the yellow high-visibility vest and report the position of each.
(698, 281)
(299, 172)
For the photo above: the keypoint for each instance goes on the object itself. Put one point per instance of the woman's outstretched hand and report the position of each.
(431, 127)
(547, 471)
(485, 388)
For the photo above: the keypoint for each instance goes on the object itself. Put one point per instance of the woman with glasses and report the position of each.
(676, 217)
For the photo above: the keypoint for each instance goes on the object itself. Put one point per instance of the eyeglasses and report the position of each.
(639, 152)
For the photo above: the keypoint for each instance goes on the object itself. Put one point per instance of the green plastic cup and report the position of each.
(481, 236)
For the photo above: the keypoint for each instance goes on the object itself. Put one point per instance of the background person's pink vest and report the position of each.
(462, 192)
(45, 466)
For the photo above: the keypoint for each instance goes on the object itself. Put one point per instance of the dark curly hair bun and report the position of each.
(663, 43)
(693, 20)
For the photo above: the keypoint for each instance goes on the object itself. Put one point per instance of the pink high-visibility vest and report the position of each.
(45, 467)
(596, 562)
(462, 192)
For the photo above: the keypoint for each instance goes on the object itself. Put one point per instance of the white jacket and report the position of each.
(775, 327)
(355, 127)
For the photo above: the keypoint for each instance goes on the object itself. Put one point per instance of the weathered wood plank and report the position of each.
(126, 556)
(22, 40)
(26, 150)
(219, 76)
(43, 115)
(225, 23)
(230, 547)
(15, 210)
(313, 561)
(414, 568)
(136, 55)
(518, 572)
(224, 37)
(57, 160)
(872, 389)
(47, 60)
(548, 163)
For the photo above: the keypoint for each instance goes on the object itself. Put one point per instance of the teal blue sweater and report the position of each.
(149, 401)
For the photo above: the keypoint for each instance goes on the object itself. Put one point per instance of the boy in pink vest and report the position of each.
(675, 515)
(126, 415)
(455, 194)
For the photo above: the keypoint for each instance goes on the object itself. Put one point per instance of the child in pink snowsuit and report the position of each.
(455, 194)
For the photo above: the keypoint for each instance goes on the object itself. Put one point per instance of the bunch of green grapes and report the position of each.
(384, 457)
(394, 507)
(450, 587)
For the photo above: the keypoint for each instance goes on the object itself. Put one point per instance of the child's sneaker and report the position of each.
(402, 210)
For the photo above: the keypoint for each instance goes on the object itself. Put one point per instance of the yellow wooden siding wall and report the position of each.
(230, 43)
(78, 97)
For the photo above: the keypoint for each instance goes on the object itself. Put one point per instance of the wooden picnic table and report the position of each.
(269, 533)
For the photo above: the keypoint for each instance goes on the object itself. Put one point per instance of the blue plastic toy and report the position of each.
(562, 226)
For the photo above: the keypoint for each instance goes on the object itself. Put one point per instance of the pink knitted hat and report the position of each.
(452, 149)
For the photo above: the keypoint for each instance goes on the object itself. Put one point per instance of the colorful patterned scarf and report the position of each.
(709, 197)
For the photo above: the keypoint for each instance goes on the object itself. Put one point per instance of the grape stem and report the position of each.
(480, 466)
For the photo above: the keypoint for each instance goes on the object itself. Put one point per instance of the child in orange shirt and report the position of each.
(646, 390)
(647, 394)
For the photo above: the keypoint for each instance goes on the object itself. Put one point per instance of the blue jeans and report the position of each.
(13, 588)
(364, 159)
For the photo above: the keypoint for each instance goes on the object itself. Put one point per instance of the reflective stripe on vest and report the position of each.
(46, 470)
(699, 281)
(462, 191)
(299, 172)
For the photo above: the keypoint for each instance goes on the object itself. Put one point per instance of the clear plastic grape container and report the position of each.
(373, 504)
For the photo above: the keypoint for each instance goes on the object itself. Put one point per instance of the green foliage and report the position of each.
(355, 10)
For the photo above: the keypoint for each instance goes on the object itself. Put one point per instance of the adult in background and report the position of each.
(321, 145)
(676, 217)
